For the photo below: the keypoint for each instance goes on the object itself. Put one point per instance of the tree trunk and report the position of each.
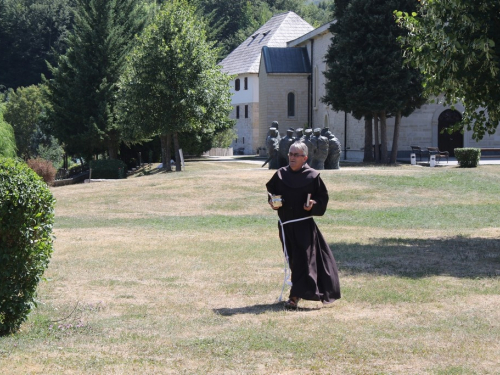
(178, 167)
(377, 138)
(383, 137)
(395, 138)
(165, 151)
(113, 145)
(368, 156)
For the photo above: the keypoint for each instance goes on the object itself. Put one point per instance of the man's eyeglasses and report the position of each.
(295, 155)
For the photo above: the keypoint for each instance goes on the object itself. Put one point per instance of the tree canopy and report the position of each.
(369, 80)
(83, 91)
(456, 45)
(31, 32)
(173, 84)
(24, 110)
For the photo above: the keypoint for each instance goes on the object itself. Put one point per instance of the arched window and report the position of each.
(245, 83)
(246, 111)
(237, 111)
(291, 104)
(237, 84)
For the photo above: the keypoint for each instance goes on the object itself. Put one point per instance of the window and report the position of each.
(243, 140)
(246, 111)
(245, 83)
(237, 84)
(237, 111)
(291, 104)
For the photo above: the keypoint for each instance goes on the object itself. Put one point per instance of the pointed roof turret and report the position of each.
(276, 32)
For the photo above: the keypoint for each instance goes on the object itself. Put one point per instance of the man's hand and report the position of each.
(311, 203)
(274, 208)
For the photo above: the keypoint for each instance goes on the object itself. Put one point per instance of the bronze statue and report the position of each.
(299, 134)
(311, 146)
(284, 146)
(322, 144)
(272, 145)
(334, 150)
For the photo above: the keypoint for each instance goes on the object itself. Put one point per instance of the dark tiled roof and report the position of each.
(286, 60)
(276, 32)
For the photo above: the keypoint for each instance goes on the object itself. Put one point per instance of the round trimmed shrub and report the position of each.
(468, 157)
(108, 169)
(26, 220)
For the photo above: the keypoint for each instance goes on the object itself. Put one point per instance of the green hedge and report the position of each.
(468, 157)
(26, 220)
(108, 169)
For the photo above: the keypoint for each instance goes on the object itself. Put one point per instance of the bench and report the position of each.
(439, 154)
(492, 152)
(417, 151)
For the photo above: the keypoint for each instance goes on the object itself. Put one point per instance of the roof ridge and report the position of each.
(278, 30)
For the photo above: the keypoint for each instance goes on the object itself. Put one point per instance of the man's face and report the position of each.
(296, 158)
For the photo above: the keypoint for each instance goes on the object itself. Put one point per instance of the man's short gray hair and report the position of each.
(301, 146)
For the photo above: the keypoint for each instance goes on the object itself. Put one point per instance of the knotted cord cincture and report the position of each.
(288, 272)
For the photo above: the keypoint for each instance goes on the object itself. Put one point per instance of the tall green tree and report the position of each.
(31, 32)
(173, 84)
(456, 45)
(24, 111)
(365, 72)
(84, 86)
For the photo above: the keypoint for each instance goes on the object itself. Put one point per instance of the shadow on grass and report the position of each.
(415, 258)
(259, 309)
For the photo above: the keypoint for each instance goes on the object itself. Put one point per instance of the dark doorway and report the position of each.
(446, 141)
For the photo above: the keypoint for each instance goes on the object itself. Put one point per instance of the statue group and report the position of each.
(324, 148)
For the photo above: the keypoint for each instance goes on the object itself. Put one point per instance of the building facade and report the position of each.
(287, 89)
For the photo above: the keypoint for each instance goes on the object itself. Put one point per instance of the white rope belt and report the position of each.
(285, 254)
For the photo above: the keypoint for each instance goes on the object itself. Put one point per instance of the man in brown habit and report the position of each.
(313, 267)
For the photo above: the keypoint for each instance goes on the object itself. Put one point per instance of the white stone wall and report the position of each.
(244, 126)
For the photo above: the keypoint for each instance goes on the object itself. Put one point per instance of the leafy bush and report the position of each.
(44, 168)
(7, 138)
(468, 157)
(26, 219)
(112, 169)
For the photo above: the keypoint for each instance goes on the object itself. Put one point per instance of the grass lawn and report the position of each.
(179, 273)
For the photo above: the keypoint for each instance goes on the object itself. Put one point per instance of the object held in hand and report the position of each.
(276, 201)
(308, 202)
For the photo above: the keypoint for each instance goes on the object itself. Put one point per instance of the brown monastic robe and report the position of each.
(313, 267)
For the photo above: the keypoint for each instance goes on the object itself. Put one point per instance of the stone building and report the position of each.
(287, 83)
(244, 63)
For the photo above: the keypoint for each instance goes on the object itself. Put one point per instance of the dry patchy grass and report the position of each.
(178, 273)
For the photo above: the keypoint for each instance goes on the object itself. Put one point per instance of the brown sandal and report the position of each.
(292, 303)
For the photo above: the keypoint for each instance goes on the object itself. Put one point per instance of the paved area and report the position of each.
(452, 161)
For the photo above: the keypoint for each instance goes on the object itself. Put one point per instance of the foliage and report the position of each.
(26, 219)
(108, 168)
(31, 32)
(24, 111)
(224, 138)
(173, 84)
(44, 168)
(456, 45)
(468, 157)
(51, 150)
(370, 79)
(83, 90)
(7, 138)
